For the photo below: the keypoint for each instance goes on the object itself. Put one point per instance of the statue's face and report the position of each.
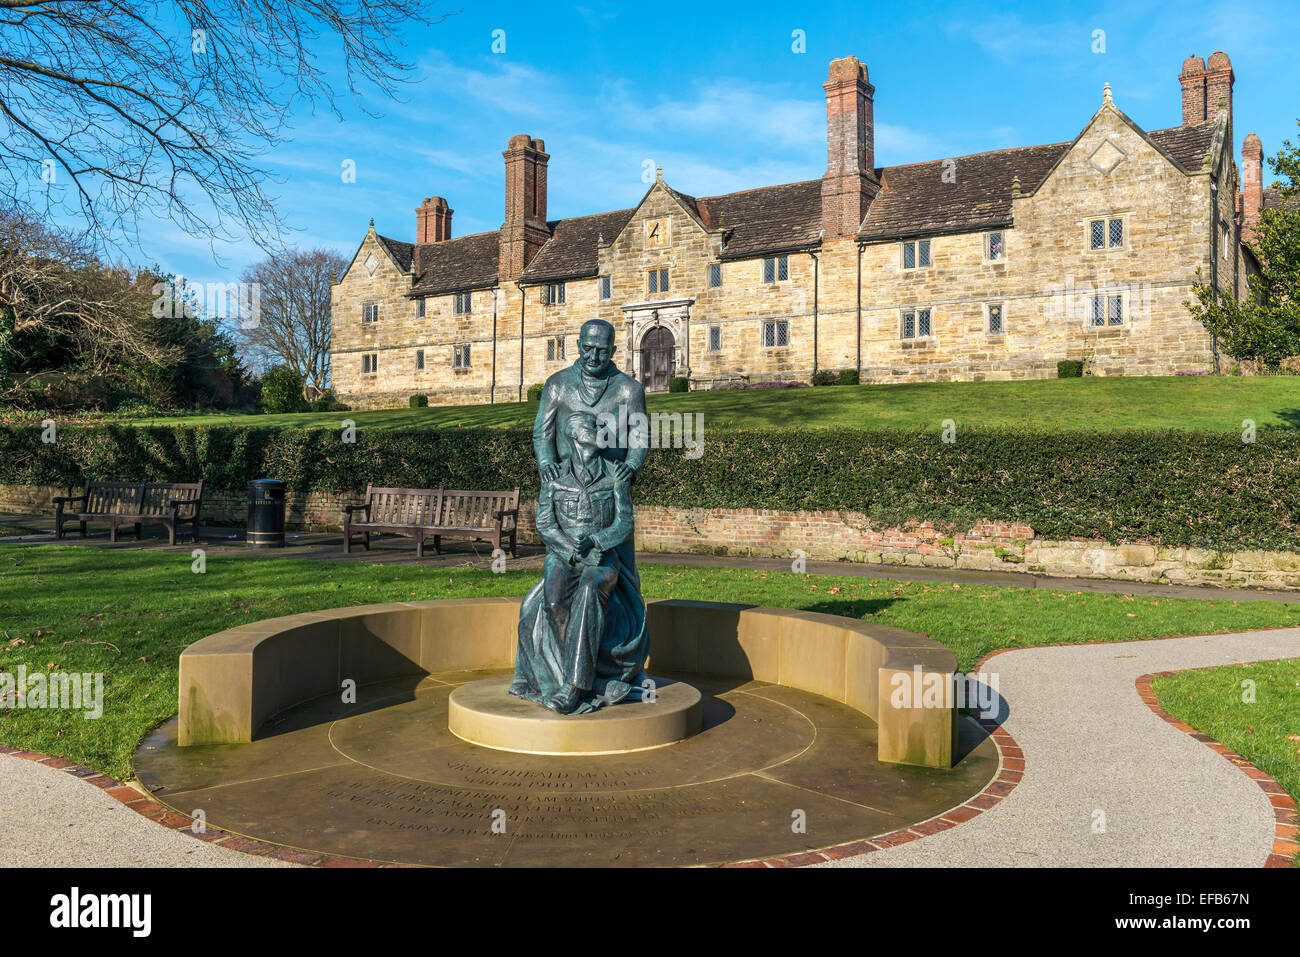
(596, 349)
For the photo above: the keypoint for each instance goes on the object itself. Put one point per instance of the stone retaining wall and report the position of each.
(826, 536)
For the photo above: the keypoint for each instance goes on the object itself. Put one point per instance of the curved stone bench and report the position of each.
(233, 681)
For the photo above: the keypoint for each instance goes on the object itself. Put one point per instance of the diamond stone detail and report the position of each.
(1106, 157)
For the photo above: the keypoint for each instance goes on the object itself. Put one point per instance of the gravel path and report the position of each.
(1091, 745)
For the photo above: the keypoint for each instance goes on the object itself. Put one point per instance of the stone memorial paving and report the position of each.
(775, 771)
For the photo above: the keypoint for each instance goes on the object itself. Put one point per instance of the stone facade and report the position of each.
(771, 284)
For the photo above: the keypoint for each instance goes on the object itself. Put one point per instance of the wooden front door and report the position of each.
(658, 359)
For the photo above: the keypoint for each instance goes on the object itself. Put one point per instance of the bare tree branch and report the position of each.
(166, 109)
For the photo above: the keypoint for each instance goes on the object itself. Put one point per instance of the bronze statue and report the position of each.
(582, 628)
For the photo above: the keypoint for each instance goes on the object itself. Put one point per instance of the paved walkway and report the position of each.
(50, 818)
(1092, 745)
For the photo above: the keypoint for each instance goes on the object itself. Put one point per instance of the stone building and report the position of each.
(990, 266)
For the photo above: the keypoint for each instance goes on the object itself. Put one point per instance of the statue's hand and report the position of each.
(624, 472)
(584, 544)
(550, 472)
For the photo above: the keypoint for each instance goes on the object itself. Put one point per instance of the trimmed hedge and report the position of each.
(1069, 369)
(1179, 488)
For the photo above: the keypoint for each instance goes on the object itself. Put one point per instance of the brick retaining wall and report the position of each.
(826, 536)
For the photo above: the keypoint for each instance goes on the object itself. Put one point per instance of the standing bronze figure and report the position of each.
(582, 628)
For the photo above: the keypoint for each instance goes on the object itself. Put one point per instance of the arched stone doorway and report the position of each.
(658, 359)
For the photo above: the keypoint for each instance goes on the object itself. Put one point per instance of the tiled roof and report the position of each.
(1187, 144)
(976, 191)
(571, 250)
(399, 250)
(916, 199)
(468, 262)
(755, 220)
(761, 220)
(1273, 199)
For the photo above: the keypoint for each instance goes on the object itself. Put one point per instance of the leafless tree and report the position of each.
(53, 287)
(163, 109)
(292, 320)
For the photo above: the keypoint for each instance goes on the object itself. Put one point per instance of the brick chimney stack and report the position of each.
(524, 231)
(1252, 185)
(1218, 88)
(433, 221)
(850, 180)
(1193, 80)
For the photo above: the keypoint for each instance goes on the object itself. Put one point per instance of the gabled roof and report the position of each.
(975, 193)
(571, 250)
(753, 221)
(1186, 144)
(467, 262)
(692, 207)
(768, 219)
(400, 251)
(916, 199)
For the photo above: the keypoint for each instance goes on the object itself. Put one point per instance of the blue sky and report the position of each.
(717, 96)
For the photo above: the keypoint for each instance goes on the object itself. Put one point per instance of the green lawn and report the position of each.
(1186, 402)
(1266, 731)
(129, 614)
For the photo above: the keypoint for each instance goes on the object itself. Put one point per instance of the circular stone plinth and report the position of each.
(483, 713)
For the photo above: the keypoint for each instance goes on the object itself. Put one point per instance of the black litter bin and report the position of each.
(266, 513)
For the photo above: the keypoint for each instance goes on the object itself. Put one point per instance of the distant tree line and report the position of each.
(78, 333)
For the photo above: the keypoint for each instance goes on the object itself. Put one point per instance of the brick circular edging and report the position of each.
(142, 804)
(1286, 847)
(1011, 769)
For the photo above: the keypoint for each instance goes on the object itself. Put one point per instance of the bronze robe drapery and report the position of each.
(583, 624)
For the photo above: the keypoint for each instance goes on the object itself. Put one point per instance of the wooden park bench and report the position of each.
(132, 503)
(431, 513)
